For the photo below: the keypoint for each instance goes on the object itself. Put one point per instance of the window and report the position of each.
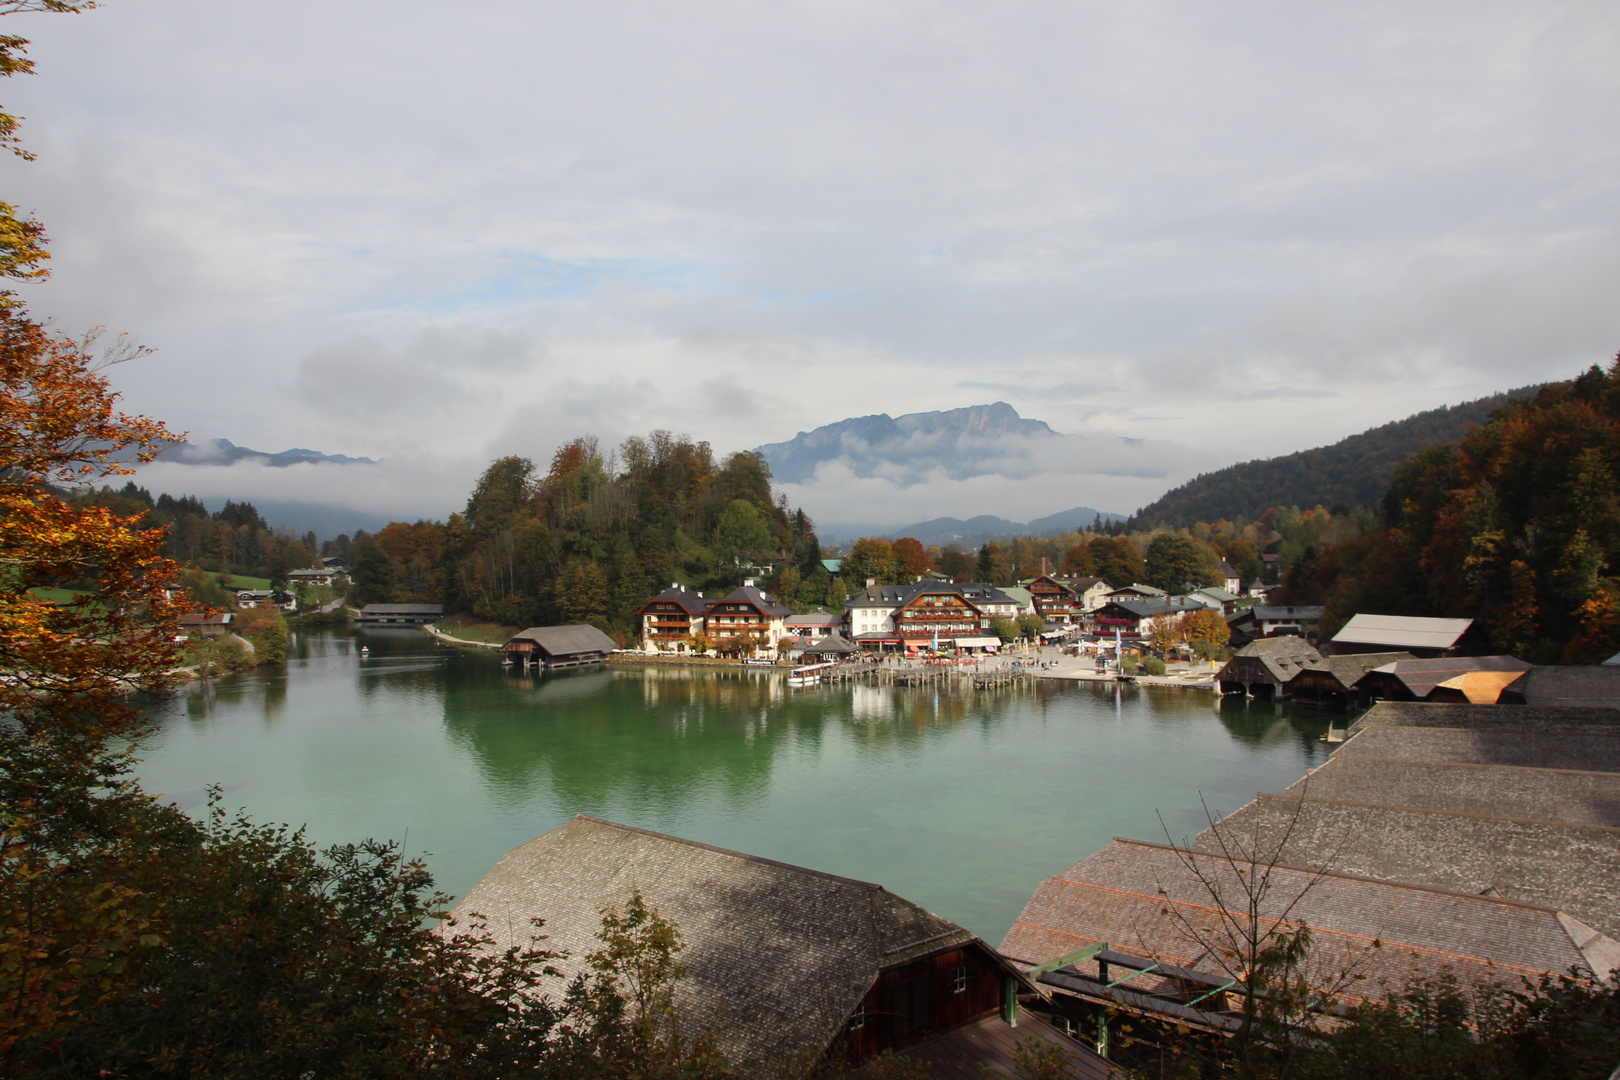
(857, 1019)
(959, 979)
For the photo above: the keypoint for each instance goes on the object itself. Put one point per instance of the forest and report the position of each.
(1352, 472)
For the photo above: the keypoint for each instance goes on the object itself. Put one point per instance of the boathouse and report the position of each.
(1423, 638)
(1331, 678)
(558, 646)
(783, 963)
(401, 613)
(1265, 668)
(1416, 680)
(1483, 841)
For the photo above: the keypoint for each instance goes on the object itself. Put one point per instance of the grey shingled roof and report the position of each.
(1574, 868)
(777, 956)
(748, 594)
(1575, 796)
(1345, 670)
(1125, 893)
(1286, 613)
(1595, 685)
(1402, 631)
(690, 601)
(1422, 676)
(567, 640)
(1279, 657)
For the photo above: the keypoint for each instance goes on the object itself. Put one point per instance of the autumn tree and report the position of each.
(1077, 562)
(909, 560)
(870, 559)
(1117, 561)
(1206, 626)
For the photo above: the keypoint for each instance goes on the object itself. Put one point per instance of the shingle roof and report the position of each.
(1286, 613)
(1281, 657)
(567, 640)
(749, 594)
(1581, 797)
(777, 956)
(1595, 685)
(1421, 676)
(694, 603)
(814, 618)
(1402, 631)
(1347, 669)
(1573, 868)
(1135, 896)
(1142, 609)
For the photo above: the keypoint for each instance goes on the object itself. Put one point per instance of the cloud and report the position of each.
(401, 228)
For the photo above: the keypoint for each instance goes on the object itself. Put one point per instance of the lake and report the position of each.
(961, 801)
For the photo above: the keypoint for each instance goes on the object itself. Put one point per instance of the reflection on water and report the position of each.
(958, 799)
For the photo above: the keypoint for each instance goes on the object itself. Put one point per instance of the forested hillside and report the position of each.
(1352, 472)
(591, 539)
(1518, 526)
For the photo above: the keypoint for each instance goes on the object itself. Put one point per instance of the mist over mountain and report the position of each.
(974, 531)
(225, 452)
(975, 441)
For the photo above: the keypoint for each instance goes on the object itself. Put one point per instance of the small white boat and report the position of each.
(809, 674)
(365, 650)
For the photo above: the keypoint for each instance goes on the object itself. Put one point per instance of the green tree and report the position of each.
(1117, 561)
(1176, 562)
(741, 535)
(870, 559)
(582, 591)
(371, 573)
(1030, 626)
(1005, 629)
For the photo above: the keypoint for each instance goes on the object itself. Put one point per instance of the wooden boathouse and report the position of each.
(783, 963)
(558, 647)
(401, 613)
(1264, 668)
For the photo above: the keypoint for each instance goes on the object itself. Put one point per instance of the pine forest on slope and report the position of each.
(1355, 471)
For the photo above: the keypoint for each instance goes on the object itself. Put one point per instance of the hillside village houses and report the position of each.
(912, 617)
(896, 618)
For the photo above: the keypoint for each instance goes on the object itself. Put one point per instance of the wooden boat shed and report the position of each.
(401, 613)
(558, 647)
(782, 962)
(1265, 668)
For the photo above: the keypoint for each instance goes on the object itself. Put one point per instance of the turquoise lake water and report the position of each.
(961, 801)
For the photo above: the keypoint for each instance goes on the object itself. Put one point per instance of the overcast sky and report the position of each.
(435, 233)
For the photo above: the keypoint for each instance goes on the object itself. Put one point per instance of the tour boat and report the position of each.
(809, 674)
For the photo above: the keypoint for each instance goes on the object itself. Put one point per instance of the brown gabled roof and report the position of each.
(1141, 898)
(1574, 868)
(777, 956)
(1347, 669)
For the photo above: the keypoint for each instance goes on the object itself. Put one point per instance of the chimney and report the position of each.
(871, 582)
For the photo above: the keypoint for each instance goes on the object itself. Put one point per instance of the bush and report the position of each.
(1127, 664)
(1153, 666)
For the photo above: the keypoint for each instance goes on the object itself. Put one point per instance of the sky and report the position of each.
(434, 234)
